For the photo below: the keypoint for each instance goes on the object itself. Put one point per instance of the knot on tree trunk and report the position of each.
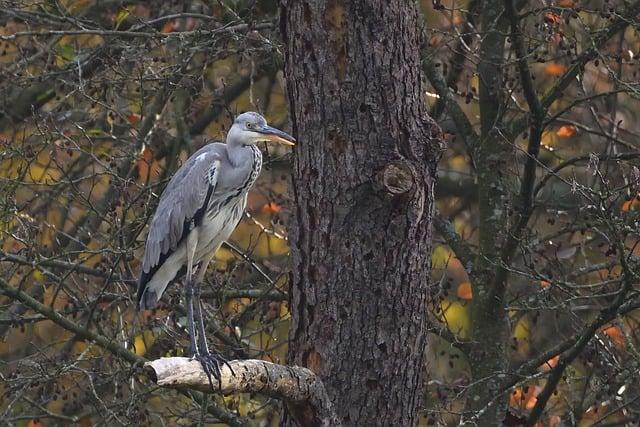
(397, 178)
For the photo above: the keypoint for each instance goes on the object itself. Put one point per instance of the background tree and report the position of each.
(534, 318)
(539, 188)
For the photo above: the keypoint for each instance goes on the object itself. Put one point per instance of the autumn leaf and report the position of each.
(630, 205)
(550, 364)
(554, 69)
(616, 336)
(524, 397)
(435, 40)
(121, 16)
(552, 18)
(566, 131)
(37, 275)
(148, 167)
(272, 208)
(566, 3)
(168, 27)
(554, 421)
(457, 317)
(35, 423)
(134, 118)
(464, 291)
(143, 342)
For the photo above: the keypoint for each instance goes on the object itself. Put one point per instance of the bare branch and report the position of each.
(461, 248)
(463, 125)
(300, 388)
(125, 34)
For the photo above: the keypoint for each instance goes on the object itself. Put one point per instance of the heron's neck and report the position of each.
(239, 154)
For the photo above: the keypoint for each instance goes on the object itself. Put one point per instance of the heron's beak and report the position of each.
(276, 135)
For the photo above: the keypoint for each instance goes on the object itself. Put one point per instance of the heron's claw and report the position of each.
(211, 364)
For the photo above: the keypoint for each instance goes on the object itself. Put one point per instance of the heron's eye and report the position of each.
(249, 126)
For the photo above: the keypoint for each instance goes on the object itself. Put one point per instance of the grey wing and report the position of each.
(184, 196)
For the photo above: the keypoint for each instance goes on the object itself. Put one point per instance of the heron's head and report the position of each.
(251, 128)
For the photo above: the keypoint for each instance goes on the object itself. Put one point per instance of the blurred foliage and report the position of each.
(567, 266)
(91, 127)
(101, 101)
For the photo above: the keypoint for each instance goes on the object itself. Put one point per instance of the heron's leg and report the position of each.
(202, 337)
(213, 360)
(192, 241)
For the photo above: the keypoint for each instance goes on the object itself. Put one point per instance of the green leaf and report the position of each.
(66, 52)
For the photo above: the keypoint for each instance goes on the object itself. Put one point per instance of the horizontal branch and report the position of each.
(298, 387)
(127, 34)
(102, 341)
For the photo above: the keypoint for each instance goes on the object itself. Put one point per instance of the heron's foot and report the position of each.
(211, 364)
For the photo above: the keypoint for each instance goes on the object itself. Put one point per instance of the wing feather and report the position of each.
(183, 197)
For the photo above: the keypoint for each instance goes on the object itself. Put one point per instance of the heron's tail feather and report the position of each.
(152, 285)
(147, 297)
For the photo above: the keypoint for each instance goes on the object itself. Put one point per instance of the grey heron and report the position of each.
(198, 210)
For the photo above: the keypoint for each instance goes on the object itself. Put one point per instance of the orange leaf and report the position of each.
(147, 165)
(629, 205)
(168, 27)
(566, 3)
(566, 131)
(550, 364)
(134, 118)
(552, 18)
(272, 208)
(524, 398)
(544, 284)
(34, 423)
(464, 291)
(615, 335)
(554, 69)
(435, 40)
(554, 420)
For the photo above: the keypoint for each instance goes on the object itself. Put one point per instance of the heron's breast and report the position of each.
(218, 225)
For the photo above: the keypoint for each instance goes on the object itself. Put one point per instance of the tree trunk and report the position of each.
(363, 194)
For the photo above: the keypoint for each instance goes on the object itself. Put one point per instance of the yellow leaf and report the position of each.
(457, 317)
(284, 311)
(522, 336)
(440, 256)
(143, 342)
(37, 276)
(122, 15)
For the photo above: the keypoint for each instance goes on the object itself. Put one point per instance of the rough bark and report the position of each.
(488, 355)
(299, 388)
(363, 201)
